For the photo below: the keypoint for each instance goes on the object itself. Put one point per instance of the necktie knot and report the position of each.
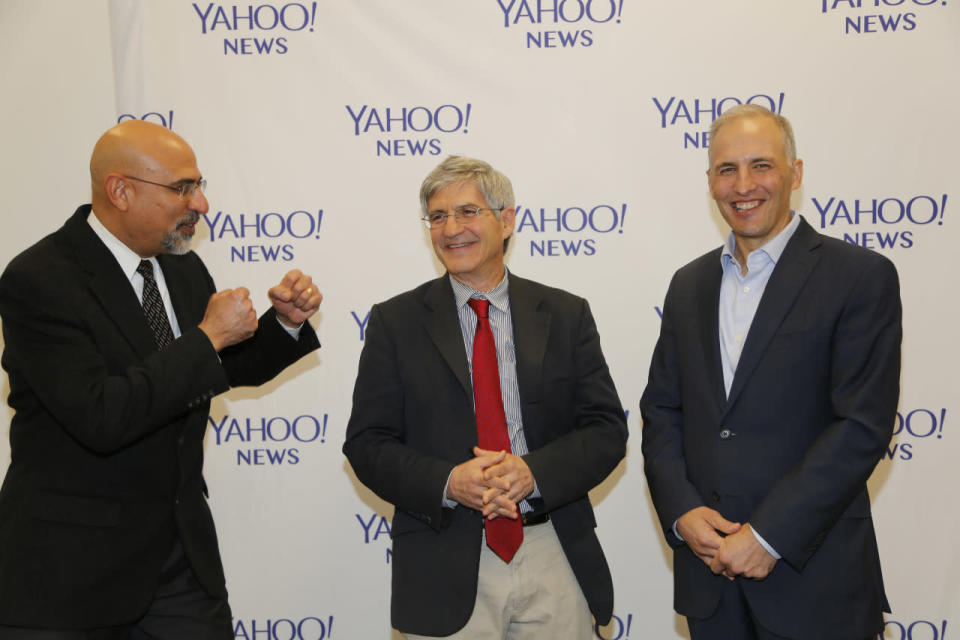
(145, 269)
(480, 307)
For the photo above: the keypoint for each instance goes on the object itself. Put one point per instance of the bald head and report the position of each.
(137, 148)
(135, 171)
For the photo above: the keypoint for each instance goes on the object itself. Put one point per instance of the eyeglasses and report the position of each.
(437, 219)
(184, 189)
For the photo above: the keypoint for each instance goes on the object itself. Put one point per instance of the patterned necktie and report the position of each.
(503, 534)
(153, 306)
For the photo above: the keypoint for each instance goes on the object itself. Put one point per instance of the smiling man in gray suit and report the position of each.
(772, 396)
(491, 538)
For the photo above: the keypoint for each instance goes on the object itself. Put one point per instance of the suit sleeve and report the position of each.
(864, 376)
(568, 466)
(661, 409)
(56, 358)
(270, 350)
(376, 433)
(56, 364)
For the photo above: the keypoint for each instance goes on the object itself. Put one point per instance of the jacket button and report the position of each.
(715, 496)
(725, 433)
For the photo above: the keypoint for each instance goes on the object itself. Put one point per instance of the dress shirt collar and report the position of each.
(499, 296)
(773, 249)
(126, 257)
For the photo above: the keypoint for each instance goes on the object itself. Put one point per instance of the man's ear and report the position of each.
(116, 190)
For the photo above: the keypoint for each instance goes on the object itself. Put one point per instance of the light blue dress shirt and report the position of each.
(740, 296)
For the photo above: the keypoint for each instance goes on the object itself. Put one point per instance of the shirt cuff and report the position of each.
(294, 333)
(676, 532)
(445, 501)
(764, 543)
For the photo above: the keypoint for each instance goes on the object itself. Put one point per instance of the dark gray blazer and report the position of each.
(413, 421)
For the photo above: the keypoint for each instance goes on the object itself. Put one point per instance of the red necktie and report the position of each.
(503, 534)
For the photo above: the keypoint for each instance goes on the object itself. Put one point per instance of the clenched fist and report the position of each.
(295, 298)
(229, 318)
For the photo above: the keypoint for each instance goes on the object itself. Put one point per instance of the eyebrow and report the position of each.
(731, 163)
(459, 206)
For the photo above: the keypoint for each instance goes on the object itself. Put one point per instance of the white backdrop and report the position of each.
(315, 123)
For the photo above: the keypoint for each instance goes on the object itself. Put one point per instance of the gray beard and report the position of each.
(176, 243)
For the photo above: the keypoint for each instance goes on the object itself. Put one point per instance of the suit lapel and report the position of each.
(108, 284)
(792, 270)
(531, 330)
(443, 326)
(182, 292)
(708, 292)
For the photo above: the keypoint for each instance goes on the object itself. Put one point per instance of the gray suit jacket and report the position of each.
(413, 421)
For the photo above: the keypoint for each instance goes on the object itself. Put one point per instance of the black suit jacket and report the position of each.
(107, 437)
(413, 421)
(811, 410)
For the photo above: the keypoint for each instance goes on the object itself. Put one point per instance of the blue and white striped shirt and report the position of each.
(501, 325)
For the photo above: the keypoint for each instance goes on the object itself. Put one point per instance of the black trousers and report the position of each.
(733, 620)
(180, 610)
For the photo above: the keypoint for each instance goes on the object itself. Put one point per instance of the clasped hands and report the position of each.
(230, 317)
(728, 548)
(493, 482)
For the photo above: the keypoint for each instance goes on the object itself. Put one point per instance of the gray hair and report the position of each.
(494, 186)
(753, 110)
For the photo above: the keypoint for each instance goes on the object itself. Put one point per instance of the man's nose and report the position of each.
(452, 225)
(744, 182)
(198, 202)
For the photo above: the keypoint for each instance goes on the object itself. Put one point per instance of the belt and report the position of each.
(532, 518)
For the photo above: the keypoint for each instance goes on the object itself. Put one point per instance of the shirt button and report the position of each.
(746, 289)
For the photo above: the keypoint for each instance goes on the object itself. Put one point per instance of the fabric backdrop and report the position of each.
(315, 121)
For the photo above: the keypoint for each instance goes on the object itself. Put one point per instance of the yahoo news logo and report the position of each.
(618, 628)
(163, 118)
(277, 433)
(409, 131)
(538, 16)
(374, 528)
(580, 222)
(900, 217)
(308, 628)
(913, 428)
(263, 237)
(916, 630)
(265, 19)
(878, 16)
(361, 323)
(699, 113)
